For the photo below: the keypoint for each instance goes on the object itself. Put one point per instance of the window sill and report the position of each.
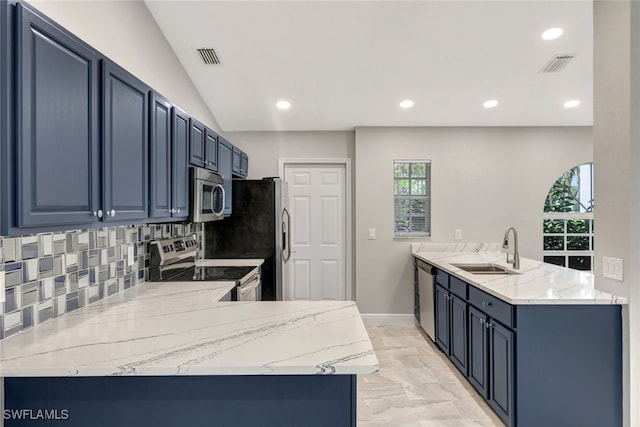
(411, 235)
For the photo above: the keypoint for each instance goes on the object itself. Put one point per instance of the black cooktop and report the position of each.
(206, 274)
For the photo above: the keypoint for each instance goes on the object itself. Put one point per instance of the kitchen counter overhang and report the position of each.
(168, 354)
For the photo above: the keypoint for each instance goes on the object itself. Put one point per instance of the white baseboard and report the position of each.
(376, 319)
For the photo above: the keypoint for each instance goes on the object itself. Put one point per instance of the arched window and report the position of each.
(568, 220)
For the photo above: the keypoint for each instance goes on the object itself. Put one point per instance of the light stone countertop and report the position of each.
(181, 328)
(536, 283)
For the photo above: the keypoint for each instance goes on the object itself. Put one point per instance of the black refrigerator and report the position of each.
(257, 228)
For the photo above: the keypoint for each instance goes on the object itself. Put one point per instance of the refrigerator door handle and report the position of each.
(286, 236)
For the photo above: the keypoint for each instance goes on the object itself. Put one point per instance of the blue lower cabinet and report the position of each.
(501, 373)
(478, 352)
(458, 339)
(220, 401)
(442, 318)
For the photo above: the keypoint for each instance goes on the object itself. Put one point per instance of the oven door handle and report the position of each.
(249, 286)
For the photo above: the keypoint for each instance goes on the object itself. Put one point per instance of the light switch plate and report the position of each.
(612, 268)
(2, 286)
(130, 260)
(458, 233)
(372, 234)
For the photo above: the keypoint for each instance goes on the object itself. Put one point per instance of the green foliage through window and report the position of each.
(568, 227)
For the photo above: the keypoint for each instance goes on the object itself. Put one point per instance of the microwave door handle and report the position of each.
(213, 209)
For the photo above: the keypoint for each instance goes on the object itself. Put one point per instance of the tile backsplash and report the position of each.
(48, 275)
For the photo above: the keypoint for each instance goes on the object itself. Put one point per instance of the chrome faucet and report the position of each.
(505, 245)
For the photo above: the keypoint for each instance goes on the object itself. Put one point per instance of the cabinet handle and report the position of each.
(111, 213)
(100, 213)
(486, 304)
(172, 211)
(487, 325)
(177, 210)
(95, 213)
(481, 321)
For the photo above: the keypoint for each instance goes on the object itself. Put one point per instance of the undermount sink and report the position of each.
(483, 269)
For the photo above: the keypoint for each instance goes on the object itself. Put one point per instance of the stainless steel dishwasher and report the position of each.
(425, 289)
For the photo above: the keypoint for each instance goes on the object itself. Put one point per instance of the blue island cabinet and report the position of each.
(58, 141)
(193, 401)
(535, 365)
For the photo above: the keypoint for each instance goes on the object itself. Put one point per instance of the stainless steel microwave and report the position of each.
(207, 195)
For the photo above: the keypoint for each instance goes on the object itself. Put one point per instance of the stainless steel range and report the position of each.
(174, 260)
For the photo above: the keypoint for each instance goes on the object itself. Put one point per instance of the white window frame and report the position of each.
(426, 197)
(566, 253)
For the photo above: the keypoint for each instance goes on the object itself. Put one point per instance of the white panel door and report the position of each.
(317, 267)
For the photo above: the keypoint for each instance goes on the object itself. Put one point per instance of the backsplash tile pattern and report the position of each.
(48, 275)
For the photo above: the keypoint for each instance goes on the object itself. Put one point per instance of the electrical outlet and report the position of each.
(612, 268)
(372, 234)
(458, 233)
(2, 286)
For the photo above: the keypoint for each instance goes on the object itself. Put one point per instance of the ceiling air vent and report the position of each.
(558, 63)
(209, 56)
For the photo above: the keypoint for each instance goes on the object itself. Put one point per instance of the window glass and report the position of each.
(412, 193)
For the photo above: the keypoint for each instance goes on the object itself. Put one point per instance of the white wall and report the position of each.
(126, 32)
(265, 148)
(616, 132)
(483, 180)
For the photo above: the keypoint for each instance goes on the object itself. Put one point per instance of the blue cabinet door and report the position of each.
(160, 176)
(501, 374)
(458, 340)
(57, 125)
(244, 165)
(179, 164)
(237, 161)
(442, 318)
(196, 143)
(478, 351)
(125, 138)
(211, 150)
(225, 158)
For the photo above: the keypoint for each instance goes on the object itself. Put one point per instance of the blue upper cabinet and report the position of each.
(168, 160)
(211, 150)
(179, 164)
(240, 163)
(125, 137)
(57, 148)
(196, 143)
(225, 158)
(160, 176)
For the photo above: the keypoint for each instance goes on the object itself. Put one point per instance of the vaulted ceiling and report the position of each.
(343, 64)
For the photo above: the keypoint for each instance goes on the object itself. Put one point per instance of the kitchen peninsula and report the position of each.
(167, 354)
(539, 343)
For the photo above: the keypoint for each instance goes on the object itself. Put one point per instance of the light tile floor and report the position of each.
(417, 386)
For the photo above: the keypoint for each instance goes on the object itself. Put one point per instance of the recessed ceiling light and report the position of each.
(490, 103)
(552, 33)
(571, 104)
(283, 105)
(407, 103)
